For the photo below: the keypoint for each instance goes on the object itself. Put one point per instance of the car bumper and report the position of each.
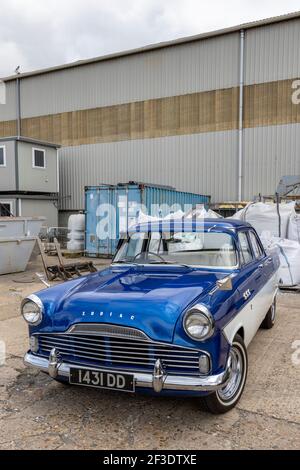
(157, 381)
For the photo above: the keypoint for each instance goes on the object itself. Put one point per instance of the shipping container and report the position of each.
(110, 210)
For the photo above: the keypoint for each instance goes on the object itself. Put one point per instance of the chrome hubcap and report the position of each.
(236, 375)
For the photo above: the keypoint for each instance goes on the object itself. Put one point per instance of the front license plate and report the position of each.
(102, 379)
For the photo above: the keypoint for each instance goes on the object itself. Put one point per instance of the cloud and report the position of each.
(36, 34)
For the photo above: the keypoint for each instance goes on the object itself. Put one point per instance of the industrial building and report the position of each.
(29, 181)
(215, 114)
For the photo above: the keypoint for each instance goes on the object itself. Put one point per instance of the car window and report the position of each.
(245, 248)
(133, 249)
(203, 248)
(155, 244)
(255, 245)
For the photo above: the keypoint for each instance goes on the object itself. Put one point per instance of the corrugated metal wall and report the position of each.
(204, 163)
(272, 52)
(270, 153)
(200, 66)
(194, 163)
(9, 109)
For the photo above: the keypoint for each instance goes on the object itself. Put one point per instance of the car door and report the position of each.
(251, 282)
(259, 257)
(266, 283)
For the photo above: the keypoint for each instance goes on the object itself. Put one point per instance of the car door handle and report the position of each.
(268, 260)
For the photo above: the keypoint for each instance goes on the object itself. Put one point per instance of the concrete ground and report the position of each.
(38, 413)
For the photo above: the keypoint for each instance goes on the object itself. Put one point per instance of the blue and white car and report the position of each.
(172, 315)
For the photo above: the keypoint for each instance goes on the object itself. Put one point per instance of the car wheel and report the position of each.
(226, 398)
(270, 318)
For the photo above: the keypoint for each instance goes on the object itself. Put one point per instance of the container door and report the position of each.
(105, 221)
(98, 221)
(127, 203)
(134, 204)
(91, 204)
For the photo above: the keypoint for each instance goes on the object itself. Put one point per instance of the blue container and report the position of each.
(110, 210)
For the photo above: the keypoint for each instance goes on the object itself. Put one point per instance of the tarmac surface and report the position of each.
(39, 413)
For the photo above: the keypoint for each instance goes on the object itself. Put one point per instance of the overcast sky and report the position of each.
(41, 33)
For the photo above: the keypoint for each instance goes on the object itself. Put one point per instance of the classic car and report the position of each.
(172, 315)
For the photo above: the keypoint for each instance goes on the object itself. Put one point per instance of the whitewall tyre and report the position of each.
(226, 398)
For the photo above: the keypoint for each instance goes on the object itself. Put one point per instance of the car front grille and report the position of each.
(120, 353)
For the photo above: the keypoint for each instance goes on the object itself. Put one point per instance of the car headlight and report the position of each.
(198, 323)
(32, 310)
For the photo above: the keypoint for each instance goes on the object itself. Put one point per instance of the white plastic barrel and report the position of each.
(76, 228)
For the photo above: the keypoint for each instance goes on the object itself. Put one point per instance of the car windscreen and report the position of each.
(207, 249)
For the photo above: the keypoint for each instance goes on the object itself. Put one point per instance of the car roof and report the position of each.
(189, 224)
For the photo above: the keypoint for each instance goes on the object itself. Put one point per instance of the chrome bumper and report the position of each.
(158, 380)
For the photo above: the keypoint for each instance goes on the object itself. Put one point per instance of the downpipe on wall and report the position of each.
(241, 115)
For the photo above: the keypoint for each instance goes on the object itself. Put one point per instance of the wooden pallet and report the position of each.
(61, 270)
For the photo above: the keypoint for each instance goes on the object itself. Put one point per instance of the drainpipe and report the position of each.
(18, 87)
(241, 114)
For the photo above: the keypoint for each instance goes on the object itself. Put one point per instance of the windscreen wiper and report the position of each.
(171, 263)
(127, 261)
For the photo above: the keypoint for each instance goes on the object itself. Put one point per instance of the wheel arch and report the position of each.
(241, 333)
(237, 329)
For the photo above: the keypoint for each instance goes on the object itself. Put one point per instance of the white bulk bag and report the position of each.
(202, 213)
(294, 228)
(264, 217)
(289, 256)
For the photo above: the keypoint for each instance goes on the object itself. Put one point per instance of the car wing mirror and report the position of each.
(225, 284)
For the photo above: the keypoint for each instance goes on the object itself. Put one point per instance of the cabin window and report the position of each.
(246, 253)
(6, 208)
(255, 246)
(2, 155)
(38, 158)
